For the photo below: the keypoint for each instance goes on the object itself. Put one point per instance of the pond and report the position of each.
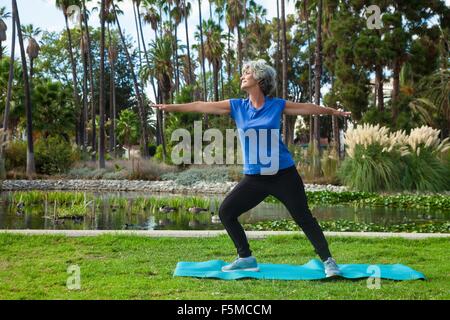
(107, 217)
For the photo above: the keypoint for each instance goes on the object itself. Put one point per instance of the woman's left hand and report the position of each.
(342, 113)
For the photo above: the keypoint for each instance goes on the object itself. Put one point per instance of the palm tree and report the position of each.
(161, 68)
(205, 94)
(10, 81)
(141, 33)
(31, 170)
(244, 43)
(256, 30)
(284, 68)
(127, 126)
(151, 16)
(64, 5)
(317, 78)
(140, 100)
(103, 13)
(112, 58)
(278, 54)
(91, 79)
(3, 15)
(305, 8)
(177, 15)
(234, 16)
(84, 50)
(186, 12)
(29, 33)
(214, 50)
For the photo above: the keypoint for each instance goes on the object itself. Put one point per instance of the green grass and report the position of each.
(131, 267)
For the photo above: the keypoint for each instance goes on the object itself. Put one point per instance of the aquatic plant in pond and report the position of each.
(353, 226)
(78, 203)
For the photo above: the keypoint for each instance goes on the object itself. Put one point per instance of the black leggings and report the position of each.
(287, 186)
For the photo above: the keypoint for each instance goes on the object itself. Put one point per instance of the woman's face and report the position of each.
(247, 80)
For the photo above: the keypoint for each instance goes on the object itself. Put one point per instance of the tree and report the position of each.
(3, 27)
(102, 100)
(4, 15)
(128, 128)
(31, 168)
(88, 53)
(234, 17)
(161, 68)
(53, 112)
(64, 6)
(202, 60)
(284, 68)
(30, 32)
(142, 113)
(186, 12)
(213, 49)
(141, 33)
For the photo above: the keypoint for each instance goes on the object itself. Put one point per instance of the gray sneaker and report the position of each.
(242, 264)
(331, 268)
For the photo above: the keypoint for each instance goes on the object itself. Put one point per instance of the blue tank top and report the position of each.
(263, 151)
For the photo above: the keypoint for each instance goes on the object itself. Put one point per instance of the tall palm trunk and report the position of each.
(142, 113)
(245, 30)
(205, 95)
(239, 49)
(84, 53)
(112, 94)
(284, 69)
(379, 86)
(84, 139)
(308, 35)
(134, 3)
(395, 88)
(9, 92)
(318, 75)
(177, 65)
(229, 62)
(76, 97)
(190, 80)
(31, 170)
(101, 162)
(91, 81)
(216, 66)
(278, 58)
(152, 80)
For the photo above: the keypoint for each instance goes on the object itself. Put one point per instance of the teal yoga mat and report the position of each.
(313, 270)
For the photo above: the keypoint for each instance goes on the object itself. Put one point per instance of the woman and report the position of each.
(262, 112)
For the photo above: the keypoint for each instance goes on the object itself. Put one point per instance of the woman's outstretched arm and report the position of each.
(302, 109)
(219, 107)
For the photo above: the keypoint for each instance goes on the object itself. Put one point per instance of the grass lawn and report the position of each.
(131, 267)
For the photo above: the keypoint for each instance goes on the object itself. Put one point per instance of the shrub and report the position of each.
(16, 155)
(372, 162)
(53, 155)
(379, 160)
(424, 170)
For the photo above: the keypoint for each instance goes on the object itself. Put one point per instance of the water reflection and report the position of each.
(108, 217)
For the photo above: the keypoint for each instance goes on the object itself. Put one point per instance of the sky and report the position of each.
(44, 14)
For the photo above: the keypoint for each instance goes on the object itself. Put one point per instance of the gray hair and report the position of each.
(263, 73)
